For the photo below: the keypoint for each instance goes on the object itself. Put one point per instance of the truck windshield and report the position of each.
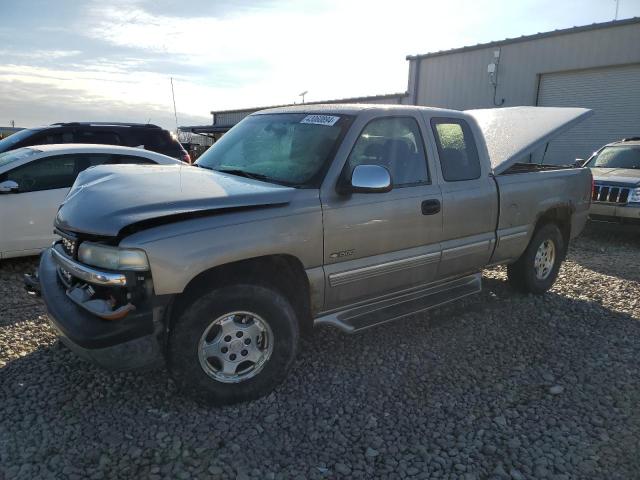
(9, 142)
(291, 148)
(617, 157)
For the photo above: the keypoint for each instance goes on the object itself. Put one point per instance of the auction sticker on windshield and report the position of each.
(328, 120)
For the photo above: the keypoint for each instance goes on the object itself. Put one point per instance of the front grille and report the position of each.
(69, 246)
(69, 243)
(610, 194)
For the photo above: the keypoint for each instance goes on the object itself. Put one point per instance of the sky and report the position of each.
(112, 60)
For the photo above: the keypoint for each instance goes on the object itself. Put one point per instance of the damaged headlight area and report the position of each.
(112, 258)
(634, 195)
(107, 281)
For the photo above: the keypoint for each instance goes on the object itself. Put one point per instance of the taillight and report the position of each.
(186, 158)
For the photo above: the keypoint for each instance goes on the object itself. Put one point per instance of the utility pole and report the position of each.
(13, 123)
(303, 94)
(617, 5)
(175, 113)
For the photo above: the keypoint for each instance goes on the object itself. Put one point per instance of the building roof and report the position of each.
(205, 129)
(341, 100)
(526, 38)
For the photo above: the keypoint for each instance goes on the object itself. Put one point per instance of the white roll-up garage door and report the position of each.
(613, 93)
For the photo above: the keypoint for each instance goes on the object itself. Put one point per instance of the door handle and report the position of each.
(430, 207)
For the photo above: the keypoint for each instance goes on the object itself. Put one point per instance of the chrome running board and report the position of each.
(362, 316)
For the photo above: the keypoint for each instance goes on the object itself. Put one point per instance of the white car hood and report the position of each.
(512, 133)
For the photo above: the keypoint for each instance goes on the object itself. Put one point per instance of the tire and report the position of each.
(204, 378)
(523, 275)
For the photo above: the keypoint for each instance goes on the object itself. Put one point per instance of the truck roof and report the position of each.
(351, 108)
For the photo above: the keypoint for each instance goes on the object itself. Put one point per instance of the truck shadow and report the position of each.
(599, 241)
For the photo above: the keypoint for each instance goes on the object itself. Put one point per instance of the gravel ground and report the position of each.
(500, 385)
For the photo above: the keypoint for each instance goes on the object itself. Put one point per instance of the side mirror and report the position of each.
(370, 179)
(579, 162)
(9, 186)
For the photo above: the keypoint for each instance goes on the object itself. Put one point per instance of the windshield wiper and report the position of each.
(202, 166)
(242, 173)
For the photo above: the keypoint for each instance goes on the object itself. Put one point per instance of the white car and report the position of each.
(35, 180)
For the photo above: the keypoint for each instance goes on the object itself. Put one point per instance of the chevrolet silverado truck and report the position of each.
(341, 215)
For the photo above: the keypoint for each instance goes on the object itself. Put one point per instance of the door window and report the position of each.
(60, 171)
(155, 139)
(46, 174)
(456, 149)
(99, 137)
(53, 137)
(396, 144)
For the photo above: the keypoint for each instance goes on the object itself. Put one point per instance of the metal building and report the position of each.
(595, 66)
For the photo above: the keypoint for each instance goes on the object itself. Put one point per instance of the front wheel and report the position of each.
(233, 344)
(537, 269)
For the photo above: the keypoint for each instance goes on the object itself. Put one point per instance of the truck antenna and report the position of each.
(175, 113)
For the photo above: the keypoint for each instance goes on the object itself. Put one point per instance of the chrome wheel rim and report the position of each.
(545, 259)
(235, 347)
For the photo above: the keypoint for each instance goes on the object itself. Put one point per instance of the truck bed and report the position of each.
(526, 192)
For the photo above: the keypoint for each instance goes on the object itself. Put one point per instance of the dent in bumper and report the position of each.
(126, 344)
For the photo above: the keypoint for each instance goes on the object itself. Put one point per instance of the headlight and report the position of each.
(113, 258)
(634, 195)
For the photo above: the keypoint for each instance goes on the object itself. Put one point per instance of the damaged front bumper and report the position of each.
(116, 337)
(83, 294)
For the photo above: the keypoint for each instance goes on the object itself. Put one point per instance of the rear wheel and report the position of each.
(233, 344)
(537, 269)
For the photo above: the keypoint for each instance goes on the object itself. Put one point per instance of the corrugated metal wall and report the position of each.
(614, 96)
(231, 118)
(460, 80)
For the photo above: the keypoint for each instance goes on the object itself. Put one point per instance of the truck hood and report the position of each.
(619, 176)
(108, 198)
(513, 133)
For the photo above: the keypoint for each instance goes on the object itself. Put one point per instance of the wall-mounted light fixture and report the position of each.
(492, 71)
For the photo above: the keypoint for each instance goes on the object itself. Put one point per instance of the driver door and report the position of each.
(376, 244)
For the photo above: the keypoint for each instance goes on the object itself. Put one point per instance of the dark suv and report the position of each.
(147, 136)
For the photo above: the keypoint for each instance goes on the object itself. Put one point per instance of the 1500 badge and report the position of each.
(343, 253)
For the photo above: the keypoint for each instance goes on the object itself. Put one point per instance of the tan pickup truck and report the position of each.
(341, 215)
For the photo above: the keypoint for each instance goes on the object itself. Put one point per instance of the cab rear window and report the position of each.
(457, 149)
